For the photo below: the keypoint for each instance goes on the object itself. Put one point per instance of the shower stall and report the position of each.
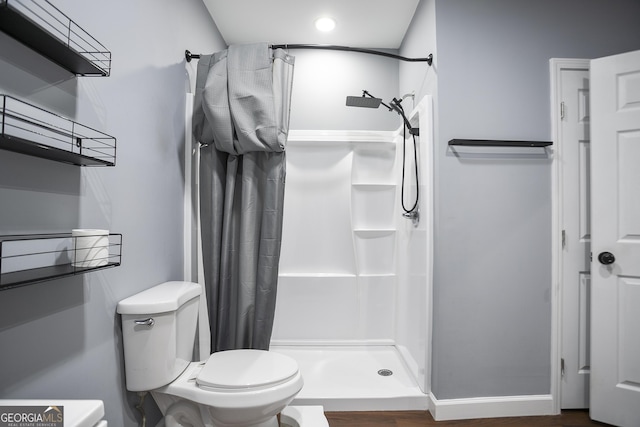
(354, 287)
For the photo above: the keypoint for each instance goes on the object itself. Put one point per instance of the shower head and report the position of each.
(363, 101)
(366, 100)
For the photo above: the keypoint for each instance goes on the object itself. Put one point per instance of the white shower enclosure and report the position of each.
(355, 275)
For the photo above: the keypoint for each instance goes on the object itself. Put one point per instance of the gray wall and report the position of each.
(492, 279)
(419, 42)
(61, 339)
(323, 80)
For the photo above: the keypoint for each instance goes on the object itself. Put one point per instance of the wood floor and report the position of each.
(420, 419)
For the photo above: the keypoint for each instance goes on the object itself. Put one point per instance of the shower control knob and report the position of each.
(606, 258)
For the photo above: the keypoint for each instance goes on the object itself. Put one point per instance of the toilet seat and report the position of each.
(245, 398)
(240, 370)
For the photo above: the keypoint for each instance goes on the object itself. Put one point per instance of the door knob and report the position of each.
(606, 258)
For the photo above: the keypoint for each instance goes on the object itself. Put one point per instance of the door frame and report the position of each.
(556, 65)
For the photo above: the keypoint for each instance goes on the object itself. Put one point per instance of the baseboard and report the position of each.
(490, 407)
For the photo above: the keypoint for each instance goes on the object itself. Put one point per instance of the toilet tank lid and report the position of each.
(168, 296)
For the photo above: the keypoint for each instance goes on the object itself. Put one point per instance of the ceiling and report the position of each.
(359, 23)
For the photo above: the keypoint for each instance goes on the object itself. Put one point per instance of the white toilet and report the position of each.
(231, 388)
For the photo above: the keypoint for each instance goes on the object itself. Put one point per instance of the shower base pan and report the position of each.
(355, 378)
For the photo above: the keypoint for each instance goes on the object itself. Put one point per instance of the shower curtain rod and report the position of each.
(428, 59)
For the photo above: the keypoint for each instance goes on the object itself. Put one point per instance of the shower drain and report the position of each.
(385, 372)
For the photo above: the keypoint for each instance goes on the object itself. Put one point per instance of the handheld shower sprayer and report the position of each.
(395, 106)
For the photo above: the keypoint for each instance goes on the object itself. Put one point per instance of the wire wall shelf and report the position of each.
(45, 29)
(28, 129)
(34, 258)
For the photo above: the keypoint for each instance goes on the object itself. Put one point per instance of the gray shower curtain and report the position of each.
(241, 119)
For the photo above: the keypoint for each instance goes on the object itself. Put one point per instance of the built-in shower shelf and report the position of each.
(373, 206)
(377, 275)
(27, 129)
(374, 232)
(34, 258)
(326, 138)
(375, 249)
(368, 186)
(374, 186)
(45, 29)
(321, 275)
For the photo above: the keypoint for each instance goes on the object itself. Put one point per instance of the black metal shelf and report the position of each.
(34, 258)
(497, 143)
(27, 129)
(45, 29)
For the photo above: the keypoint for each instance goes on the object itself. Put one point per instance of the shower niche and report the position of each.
(373, 208)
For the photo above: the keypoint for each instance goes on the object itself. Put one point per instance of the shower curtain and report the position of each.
(241, 119)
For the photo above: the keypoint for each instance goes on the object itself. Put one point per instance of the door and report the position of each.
(615, 227)
(573, 154)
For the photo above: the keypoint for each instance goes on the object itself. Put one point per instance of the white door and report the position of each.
(615, 228)
(573, 153)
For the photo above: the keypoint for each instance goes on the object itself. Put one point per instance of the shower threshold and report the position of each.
(355, 378)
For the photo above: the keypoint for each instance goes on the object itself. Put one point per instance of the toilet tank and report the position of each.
(158, 332)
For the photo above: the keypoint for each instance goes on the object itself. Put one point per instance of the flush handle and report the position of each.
(606, 258)
(146, 322)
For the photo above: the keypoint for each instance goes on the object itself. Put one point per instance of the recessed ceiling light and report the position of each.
(325, 24)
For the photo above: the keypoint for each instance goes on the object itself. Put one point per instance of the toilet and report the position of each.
(231, 388)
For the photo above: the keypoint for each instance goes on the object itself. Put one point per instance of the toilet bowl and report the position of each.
(231, 388)
(263, 386)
